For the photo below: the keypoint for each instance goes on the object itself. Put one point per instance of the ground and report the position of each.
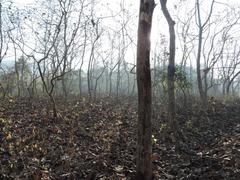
(98, 140)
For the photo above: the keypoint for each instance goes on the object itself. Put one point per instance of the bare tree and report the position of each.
(4, 41)
(82, 58)
(201, 25)
(3, 36)
(46, 42)
(171, 70)
(229, 68)
(144, 147)
(94, 38)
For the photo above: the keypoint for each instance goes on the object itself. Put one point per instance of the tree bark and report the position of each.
(230, 82)
(171, 68)
(82, 60)
(201, 26)
(144, 146)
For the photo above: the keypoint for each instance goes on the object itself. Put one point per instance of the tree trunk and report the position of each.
(89, 76)
(110, 83)
(64, 88)
(199, 77)
(201, 26)
(144, 146)
(171, 68)
(118, 78)
(82, 60)
(230, 83)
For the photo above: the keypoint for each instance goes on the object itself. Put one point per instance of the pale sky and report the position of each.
(23, 1)
(158, 19)
(159, 23)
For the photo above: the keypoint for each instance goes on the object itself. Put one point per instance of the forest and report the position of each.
(119, 90)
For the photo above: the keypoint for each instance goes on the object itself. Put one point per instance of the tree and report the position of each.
(201, 25)
(171, 68)
(23, 74)
(144, 147)
(95, 35)
(4, 41)
(230, 67)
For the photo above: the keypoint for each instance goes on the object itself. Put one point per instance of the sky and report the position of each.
(159, 23)
(157, 13)
(158, 19)
(23, 1)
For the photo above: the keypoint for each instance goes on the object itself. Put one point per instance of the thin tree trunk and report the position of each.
(171, 70)
(82, 60)
(201, 26)
(17, 71)
(230, 83)
(171, 65)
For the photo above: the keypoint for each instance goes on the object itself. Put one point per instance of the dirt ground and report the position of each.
(98, 140)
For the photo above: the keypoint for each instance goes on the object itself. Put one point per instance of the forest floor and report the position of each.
(98, 141)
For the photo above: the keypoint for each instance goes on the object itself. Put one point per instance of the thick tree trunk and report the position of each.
(144, 147)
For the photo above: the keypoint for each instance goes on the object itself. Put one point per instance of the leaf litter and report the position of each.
(98, 141)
